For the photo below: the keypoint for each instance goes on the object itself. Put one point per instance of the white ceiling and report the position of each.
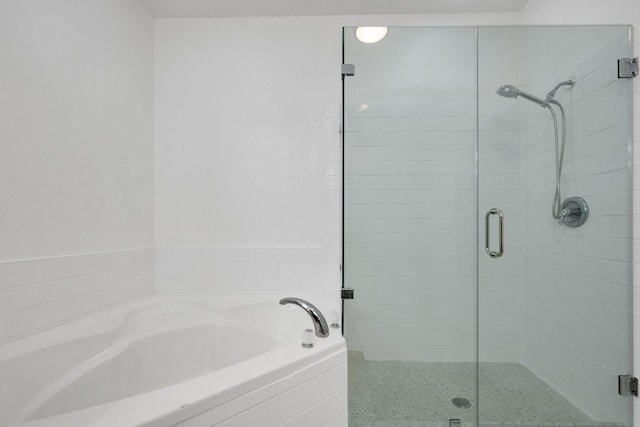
(216, 8)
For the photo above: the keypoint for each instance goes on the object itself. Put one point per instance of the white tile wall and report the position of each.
(595, 12)
(410, 203)
(577, 281)
(40, 293)
(500, 186)
(263, 270)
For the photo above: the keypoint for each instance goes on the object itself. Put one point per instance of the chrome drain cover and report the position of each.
(461, 402)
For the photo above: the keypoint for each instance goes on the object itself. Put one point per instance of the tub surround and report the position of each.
(39, 293)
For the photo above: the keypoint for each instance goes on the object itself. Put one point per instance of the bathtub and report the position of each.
(169, 360)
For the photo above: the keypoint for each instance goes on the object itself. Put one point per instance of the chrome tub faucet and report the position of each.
(319, 321)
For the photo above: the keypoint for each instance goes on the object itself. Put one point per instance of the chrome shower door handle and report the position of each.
(494, 254)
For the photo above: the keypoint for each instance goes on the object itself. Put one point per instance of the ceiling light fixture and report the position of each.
(371, 34)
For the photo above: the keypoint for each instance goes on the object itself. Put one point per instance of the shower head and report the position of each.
(510, 91)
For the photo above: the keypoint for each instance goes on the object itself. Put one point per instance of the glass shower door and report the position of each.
(554, 304)
(477, 298)
(410, 227)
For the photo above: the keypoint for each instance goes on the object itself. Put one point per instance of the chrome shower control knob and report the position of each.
(574, 212)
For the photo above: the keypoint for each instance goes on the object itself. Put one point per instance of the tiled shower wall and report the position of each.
(594, 12)
(408, 216)
(410, 196)
(499, 186)
(578, 283)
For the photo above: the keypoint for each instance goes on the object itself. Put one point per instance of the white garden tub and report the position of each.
(160, 361)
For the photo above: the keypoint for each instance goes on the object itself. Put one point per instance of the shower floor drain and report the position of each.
(461, 402)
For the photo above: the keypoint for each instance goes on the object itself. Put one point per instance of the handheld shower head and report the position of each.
(510, 91)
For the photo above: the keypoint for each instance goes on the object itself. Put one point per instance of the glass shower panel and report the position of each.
(410, 227)
(555, 308)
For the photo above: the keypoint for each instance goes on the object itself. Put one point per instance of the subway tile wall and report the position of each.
(267, 269)
(39, 293)
(409, 216)
(500, 185)
(578, 281)
(409, 243)
(410, 197)
(500, 280)
(262, 270)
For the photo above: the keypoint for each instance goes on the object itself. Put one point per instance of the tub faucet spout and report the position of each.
(319, 322)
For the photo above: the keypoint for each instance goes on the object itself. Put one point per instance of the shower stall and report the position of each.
(487, 227)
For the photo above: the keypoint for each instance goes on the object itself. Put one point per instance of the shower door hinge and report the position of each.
(346, 293)
(348, 70)
(627, 68)
(627, 385)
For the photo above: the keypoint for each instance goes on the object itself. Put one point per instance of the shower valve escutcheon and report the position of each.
(574, 212)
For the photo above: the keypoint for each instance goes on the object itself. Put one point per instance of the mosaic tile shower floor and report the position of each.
(418, 394)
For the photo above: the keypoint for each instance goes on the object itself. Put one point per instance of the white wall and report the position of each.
(239, 147)
(76, 164)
